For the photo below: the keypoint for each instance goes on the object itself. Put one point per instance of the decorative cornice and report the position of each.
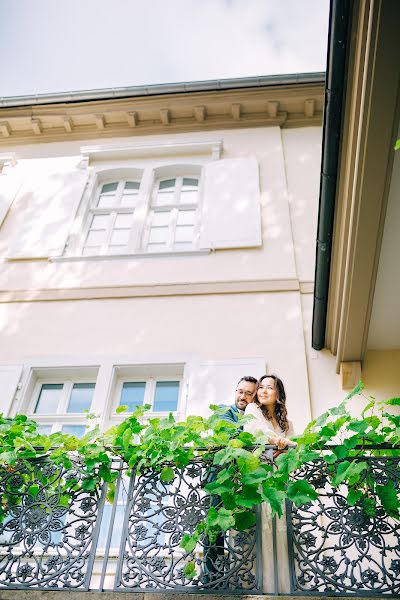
(291, 105)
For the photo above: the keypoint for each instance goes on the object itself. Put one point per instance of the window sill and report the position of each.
(170, 254)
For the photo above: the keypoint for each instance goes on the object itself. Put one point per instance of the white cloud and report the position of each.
(53, 46)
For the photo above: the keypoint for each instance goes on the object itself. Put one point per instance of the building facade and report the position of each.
(155, 249)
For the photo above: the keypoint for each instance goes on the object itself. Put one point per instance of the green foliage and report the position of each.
(239, 479)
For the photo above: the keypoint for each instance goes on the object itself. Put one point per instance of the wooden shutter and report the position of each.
(231, 215)
(9, 378)
(43, 213)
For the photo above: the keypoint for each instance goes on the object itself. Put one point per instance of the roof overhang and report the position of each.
(293, 101)
(369, 127)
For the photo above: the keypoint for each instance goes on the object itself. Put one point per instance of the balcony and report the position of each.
(51, 540)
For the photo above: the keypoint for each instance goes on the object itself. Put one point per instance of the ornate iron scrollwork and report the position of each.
(47, 538)
(337, 548)
(158, 514)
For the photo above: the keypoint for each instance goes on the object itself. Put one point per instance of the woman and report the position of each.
(269, 409)
(270, 417)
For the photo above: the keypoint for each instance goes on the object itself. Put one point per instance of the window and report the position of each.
(173, 217)
(62, 406)
(110, 222)
(143, 211)
(161, 394)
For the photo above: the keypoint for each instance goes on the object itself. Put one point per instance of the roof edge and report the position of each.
(164, 88)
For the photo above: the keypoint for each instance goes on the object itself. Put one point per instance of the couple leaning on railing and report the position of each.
(189, 516)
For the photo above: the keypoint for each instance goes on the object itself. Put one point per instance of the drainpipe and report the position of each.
(335, 75)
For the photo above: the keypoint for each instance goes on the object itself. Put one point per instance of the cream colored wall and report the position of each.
(286, 225)
(215, 327)
(381, 373)
(189, 328)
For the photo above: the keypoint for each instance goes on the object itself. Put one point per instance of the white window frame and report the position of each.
(174, 208)
(60, 417)
(149, 393)
(112, 212)
(148, 176)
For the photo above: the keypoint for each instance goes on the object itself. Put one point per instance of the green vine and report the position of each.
(240, 477)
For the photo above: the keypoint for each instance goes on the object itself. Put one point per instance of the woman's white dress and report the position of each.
(260, 423)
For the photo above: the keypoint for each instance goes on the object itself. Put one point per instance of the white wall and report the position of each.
(265, 328)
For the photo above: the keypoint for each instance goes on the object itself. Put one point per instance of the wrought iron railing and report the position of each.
(53, 539)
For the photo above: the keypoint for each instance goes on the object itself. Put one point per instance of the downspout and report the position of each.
(335, 76)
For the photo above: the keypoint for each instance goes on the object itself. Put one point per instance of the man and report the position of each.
(214, 553)
(245, 390)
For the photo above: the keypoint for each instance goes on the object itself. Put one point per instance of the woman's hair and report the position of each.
(280, 405)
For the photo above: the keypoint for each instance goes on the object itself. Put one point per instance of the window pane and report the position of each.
(76, 430)
(166, 396)
(117, 249)
(130, 193)
(123, 220)
(108, 194)
(156, 247)
(109, 188)
(120, 237)
(44, 429)
(49, 398)
(132, 394)
(186, 217)
(188, 197)
(161, 218)
(99, 222)
(158, 234)
(189, 183)
(131, 187)
(91, 251)
(184, 233)
(81, 397)
(95, 238)
(167, 184)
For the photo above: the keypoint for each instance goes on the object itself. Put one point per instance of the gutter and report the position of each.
(164, 88)
(335, 78)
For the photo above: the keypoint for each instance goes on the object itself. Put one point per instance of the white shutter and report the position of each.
(231, 216)
(43, 213)
(9, 378)
(214, 382)
(9, 184)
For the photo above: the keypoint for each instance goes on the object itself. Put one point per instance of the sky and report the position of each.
(50, 46)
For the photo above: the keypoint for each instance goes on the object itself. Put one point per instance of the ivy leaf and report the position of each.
(188, 543)
(105, 473)
(189, 570)
(369, 506)
(249, 496)
(353, 496)
(121, 409)
(340, 451)
(351, 442)
(274, 498)
(167, 475)
(366, 408)
(257, 476)
(89, 484)
(357, 390)
(301, 492)
(33, 490)
(387, 494)
(244, 520)
(393, 402)
(246, 461)
(347, 470)
(287, 462)
(359, 426)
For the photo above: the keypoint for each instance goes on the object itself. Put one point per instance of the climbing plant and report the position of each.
(240, 478)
